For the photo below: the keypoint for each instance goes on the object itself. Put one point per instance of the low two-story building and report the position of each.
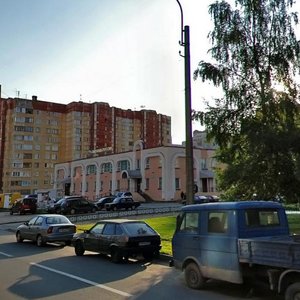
(153, 174)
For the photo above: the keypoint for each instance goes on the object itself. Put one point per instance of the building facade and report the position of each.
(153, 173)
(36, 135)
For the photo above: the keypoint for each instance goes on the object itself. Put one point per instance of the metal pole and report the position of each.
(189, 158)
(188, 120)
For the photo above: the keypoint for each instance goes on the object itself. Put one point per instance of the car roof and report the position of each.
(232, 205)
(120, 221)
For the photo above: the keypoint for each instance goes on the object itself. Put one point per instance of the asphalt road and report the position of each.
(54, 272)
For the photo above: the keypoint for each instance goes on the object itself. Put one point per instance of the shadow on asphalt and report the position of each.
(100, 270)
(28, 248)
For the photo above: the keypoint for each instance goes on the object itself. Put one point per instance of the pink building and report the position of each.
(154, 173)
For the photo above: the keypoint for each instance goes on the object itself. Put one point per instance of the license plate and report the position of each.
(144, 243)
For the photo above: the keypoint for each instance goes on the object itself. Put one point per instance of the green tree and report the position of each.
(255, 60)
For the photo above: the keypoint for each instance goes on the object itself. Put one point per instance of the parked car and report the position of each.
(122, 203)
(46, 228)
(24, 205)
(73, 205)
(100, 203)
(123, 194)
(120, 239)
(200, 199)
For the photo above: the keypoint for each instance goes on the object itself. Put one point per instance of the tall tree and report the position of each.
(256, 58)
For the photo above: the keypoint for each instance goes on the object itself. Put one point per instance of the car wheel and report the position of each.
(93, 210)
(116, 255)
(39, 241)
(19, 237)
(114, 209)
(293, 291)
(72, 211)
(193, 276)
(79, 249)
(57, 211)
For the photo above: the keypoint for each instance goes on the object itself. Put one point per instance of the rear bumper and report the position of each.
(59, 237)
(140, 250)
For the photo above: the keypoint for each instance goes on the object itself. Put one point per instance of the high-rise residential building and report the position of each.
(35, 135)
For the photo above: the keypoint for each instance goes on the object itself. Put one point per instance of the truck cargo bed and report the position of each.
(281, 252)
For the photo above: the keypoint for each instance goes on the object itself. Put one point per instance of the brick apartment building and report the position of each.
(35, 135)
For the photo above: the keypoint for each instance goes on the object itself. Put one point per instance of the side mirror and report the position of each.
(26, 223)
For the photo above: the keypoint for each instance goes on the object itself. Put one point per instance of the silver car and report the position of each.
(46, 228)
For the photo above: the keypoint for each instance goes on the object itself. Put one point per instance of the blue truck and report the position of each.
(238, 242)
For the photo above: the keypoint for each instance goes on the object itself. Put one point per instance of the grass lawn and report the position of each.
(165, 226)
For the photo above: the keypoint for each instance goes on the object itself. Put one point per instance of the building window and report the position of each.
(203, 164)
(137, 164)
(177, 183)
(106, 167)
(123, 165)
(160, 183)
(91, 169)
(147, 166)
(118, 185)
(147, 183)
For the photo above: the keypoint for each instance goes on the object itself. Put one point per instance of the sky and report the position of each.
(123, 52)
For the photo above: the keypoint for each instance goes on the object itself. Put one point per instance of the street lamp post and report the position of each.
(185, 42)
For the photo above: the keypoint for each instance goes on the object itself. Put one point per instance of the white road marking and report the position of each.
(83, 280)
(6, 254)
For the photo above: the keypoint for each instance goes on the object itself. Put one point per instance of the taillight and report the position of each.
(50, 229)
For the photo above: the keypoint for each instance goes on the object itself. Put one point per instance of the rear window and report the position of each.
(138, 228)
(57, 220)
(263, 217)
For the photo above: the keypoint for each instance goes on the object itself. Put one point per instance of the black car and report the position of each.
(73, 205)
(120, 239)
(100, 203)
(118, 203)
(24, 205)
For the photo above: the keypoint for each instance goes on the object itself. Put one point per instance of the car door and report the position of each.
(36, 227)
(84, 206)
(107, 237)
(26, 229)
(92, 238)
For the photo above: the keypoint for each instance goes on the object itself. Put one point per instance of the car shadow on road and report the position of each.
(28, 248)
(65, 274)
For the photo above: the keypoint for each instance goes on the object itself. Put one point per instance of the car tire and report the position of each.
(293, 291)
(79, 249)
(116, 255)
(93, 210)
(114, 209)
(19, 237)
(72, 211)
(39, 241)
(193, 276)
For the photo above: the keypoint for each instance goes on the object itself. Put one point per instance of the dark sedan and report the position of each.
(102, 201)
(71, 205)
(120, 239)
(46, 228)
